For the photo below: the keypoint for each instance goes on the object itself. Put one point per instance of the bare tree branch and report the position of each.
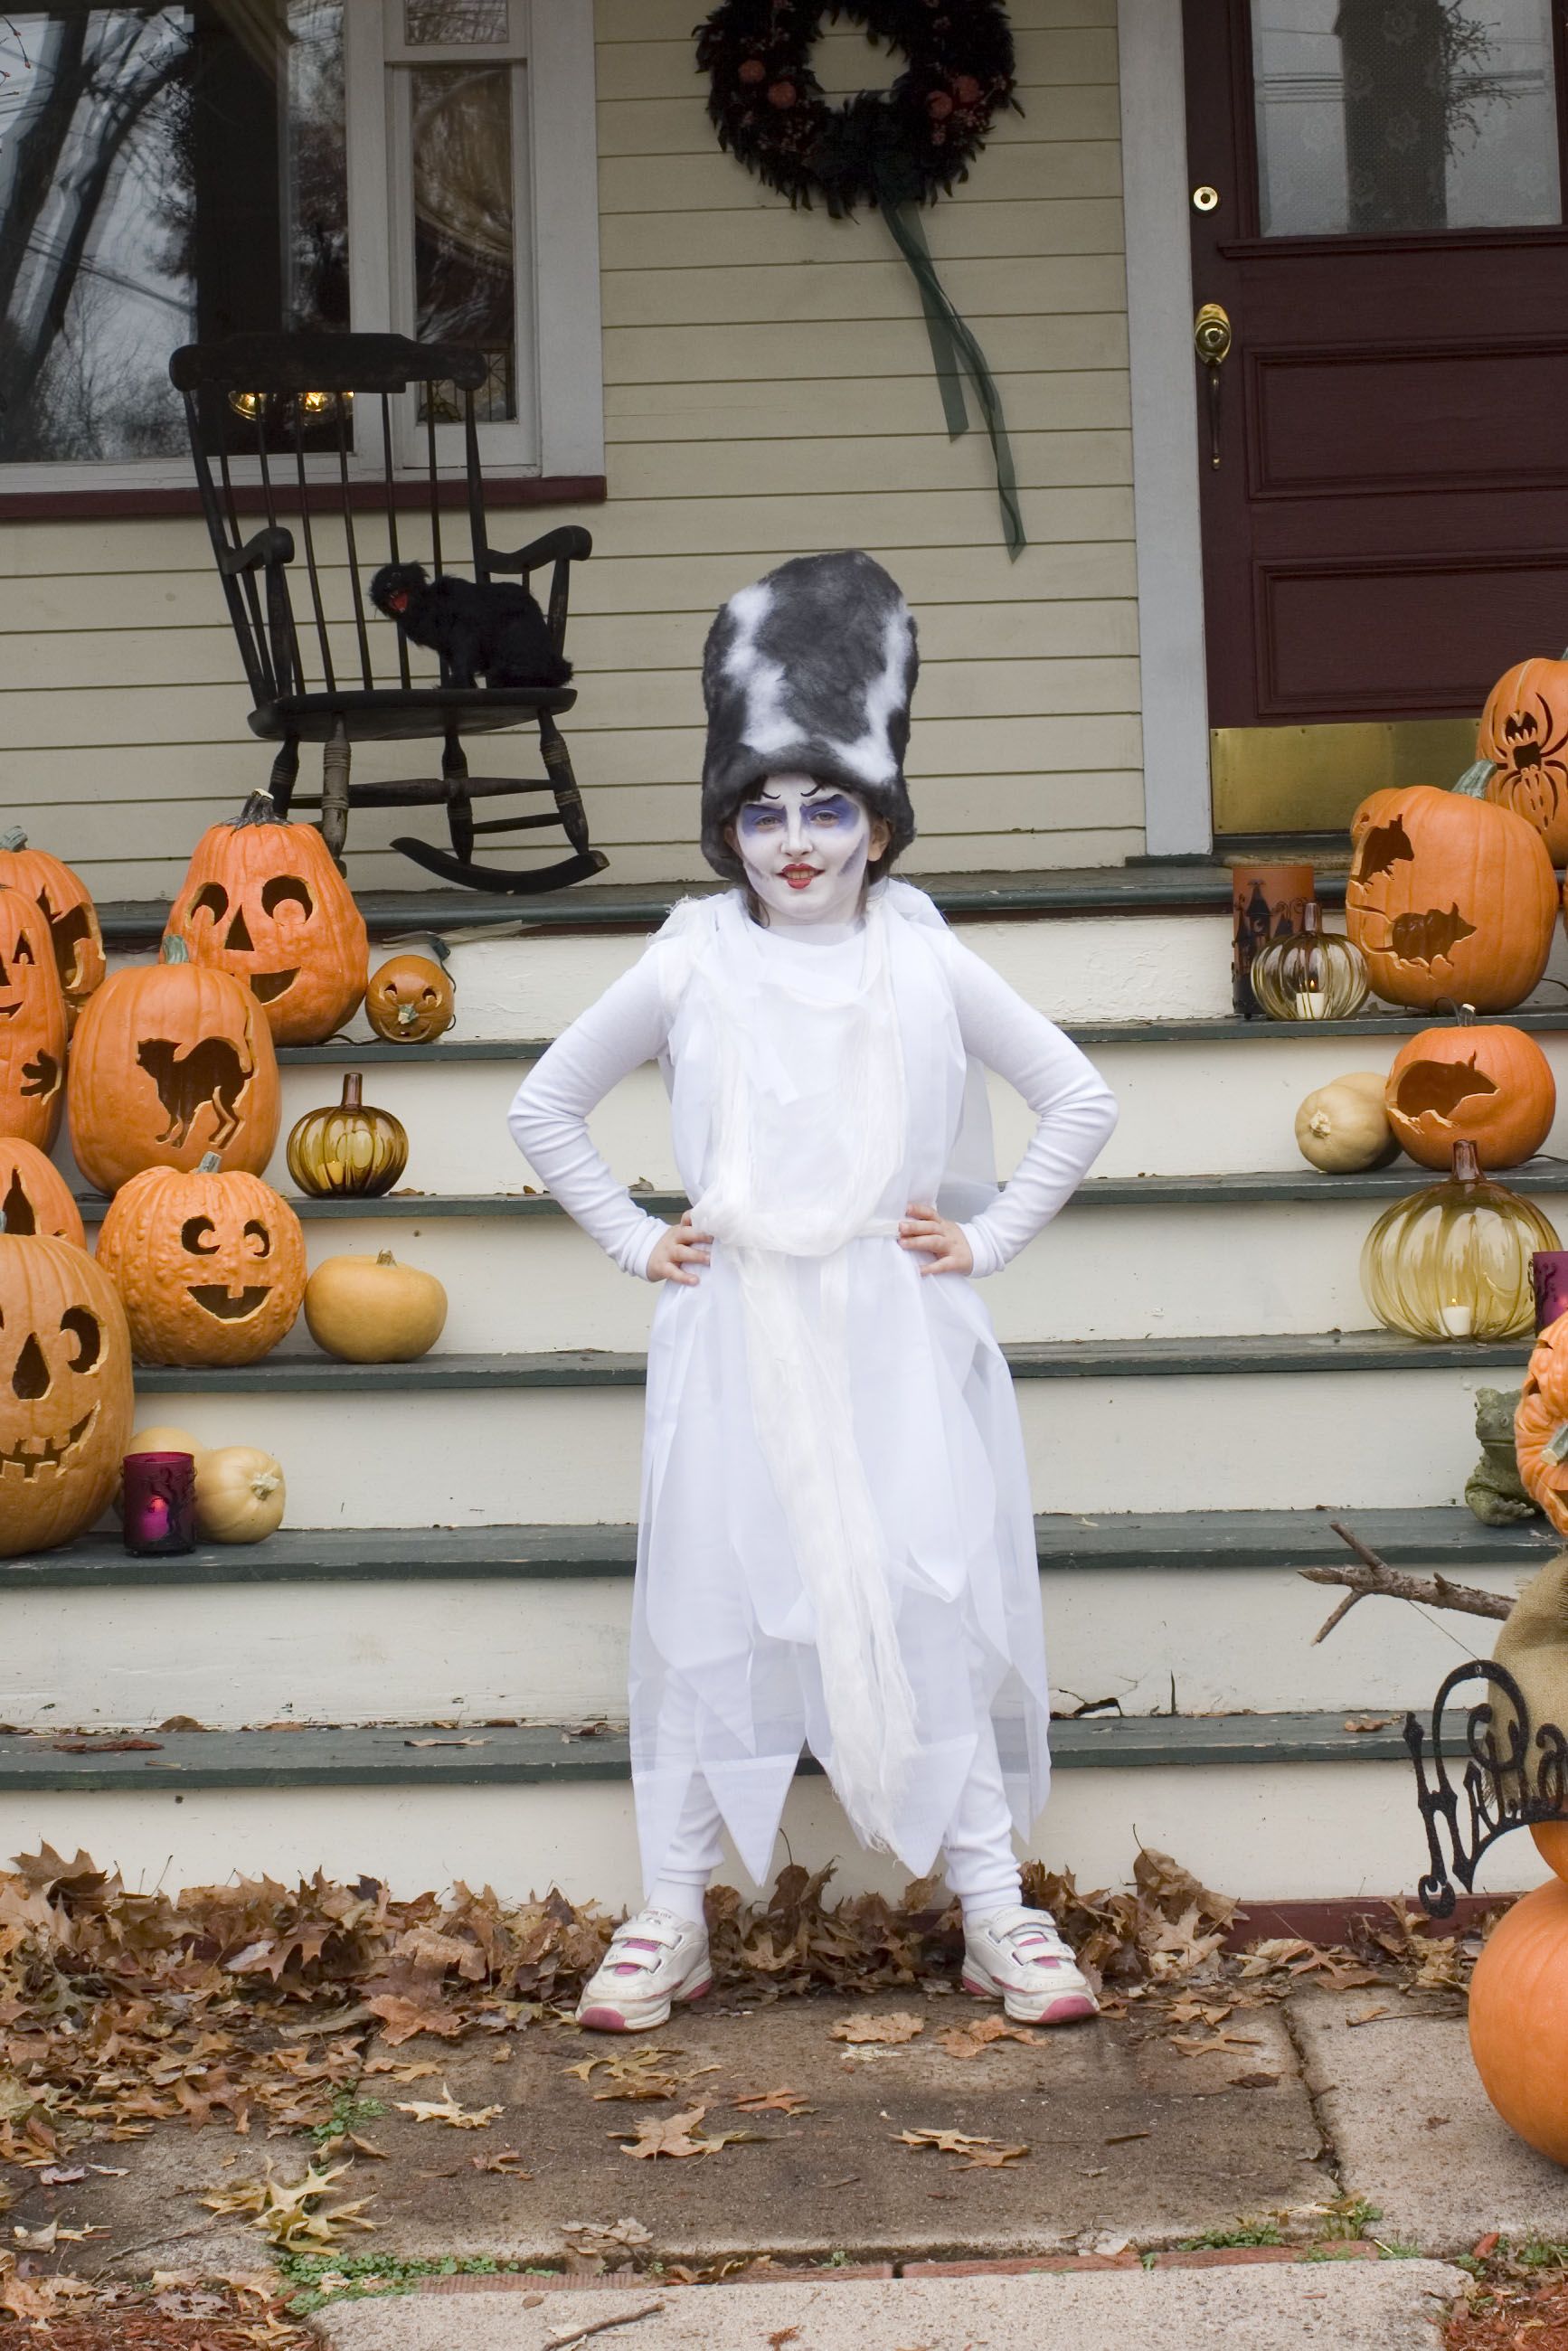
(1374, 1576)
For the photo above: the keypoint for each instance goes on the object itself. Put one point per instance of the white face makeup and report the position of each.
(804, 846)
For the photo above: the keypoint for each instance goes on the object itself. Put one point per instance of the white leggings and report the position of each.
(977, 1851)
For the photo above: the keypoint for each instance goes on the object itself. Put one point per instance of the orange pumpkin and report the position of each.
(1490, 1086)
(210, 1267)
(65, 1392)
(33, 1027)
(1540, 1425)
(1449, 897)
(34, 1199)
(171, 1060)
(68, 908)
(263, 899)
(1552, 1843)
(1524, 735)
(1519, 2019)
(409, 1000)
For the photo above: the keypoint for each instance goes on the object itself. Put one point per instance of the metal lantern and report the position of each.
(1314, 974)
(1453, 1261)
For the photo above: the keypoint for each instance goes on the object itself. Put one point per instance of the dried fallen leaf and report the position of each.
(860, 2030)
(445, 2109)
(446, 1743)
(1258, 2081)
(401, 2018)
(1371, 1722)
(506, 2161)
(1369, 2015)
(973, 2040)
(674, 2135)
(979, 2154)
(774, 2102)
(283, 2209)
(1197, 2045)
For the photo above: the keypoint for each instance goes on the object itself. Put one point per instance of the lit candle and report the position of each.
(159, 1507)
(1312, 1003)
(1458, 1321)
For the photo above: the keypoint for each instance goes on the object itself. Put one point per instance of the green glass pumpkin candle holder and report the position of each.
(1454, 1262)
(1314, 974)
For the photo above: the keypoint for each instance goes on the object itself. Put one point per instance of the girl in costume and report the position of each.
(836, 1548)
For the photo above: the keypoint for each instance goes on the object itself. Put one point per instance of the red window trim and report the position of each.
(367, 497)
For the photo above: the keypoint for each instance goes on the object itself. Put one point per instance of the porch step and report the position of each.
(1257, 1804)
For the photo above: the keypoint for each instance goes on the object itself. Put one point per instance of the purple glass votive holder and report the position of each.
(160, 1507)
(1549, 1271)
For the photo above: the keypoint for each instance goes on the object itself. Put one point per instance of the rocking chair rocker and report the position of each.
(297, 394)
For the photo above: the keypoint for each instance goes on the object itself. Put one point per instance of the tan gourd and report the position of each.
(240, 1494)
(370, 1309)
(162, 1438)
(1343, 1127)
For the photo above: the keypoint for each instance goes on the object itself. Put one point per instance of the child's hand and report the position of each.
(679, 1248)
(936, 1236)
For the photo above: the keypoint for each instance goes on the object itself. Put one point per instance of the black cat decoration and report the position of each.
(491, 629)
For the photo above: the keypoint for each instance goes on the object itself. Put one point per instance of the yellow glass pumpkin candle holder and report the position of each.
(349, 1149)
(1313, 975)
(1453, 1261)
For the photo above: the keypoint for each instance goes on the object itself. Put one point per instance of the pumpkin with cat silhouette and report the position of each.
(1448, 897)
(210, 1266)
(170, 1061)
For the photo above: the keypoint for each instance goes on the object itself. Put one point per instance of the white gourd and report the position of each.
(240, 1494)
(1343, 1127)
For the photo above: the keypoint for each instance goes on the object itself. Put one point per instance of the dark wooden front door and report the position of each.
(1387, 527)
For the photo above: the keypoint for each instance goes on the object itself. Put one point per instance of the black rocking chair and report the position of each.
(289, 400)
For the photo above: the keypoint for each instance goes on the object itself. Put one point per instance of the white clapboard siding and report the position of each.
(768, 392)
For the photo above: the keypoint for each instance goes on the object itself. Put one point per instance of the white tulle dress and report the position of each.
(836, 1545)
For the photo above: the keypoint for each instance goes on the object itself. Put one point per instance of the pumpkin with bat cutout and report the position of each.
(65, 1392)
(1524, 734)
(171, 1060)
(210, 1267)
(1448, 897)
(33, 1025)
(409, 1000)
(263, 899)
(1490, 1085)
(35, 1197)
(68, 908)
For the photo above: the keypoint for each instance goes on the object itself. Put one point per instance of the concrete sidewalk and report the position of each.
(1358, 2306)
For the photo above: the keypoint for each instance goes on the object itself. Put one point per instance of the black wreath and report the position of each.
(906, 144)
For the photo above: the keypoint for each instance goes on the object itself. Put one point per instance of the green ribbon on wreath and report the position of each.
(954, 351)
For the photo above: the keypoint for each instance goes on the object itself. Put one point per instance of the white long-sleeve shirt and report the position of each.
(1075, 1111)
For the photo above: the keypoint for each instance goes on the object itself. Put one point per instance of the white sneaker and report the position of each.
(1016, 1956)
(653, 1959)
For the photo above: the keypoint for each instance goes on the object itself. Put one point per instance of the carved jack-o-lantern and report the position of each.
(262, 899)
(1448, 897)
(32, 1024)
(1540, 1425)
(68, 908)
(210, 1267)
(1524, 734)
(409, 1000)
(34, 1199)
(65, 1392)
(169, 1061)
(1492, 1086)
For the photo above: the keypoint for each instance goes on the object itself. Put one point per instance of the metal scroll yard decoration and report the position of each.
(896, 150)
(1514, 1775)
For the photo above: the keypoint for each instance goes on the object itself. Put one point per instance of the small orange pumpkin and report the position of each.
(210, 1267)
(1519, 2019)
(34, 1199)
(1490, 1086)
(263, 899)
(1524, 735)
(409, 1000)
(68, 908)
(33, 1025)
(1450, 896)
(1552, 1843)
(1540, 1425)
(171, 1060)
(65, 1392)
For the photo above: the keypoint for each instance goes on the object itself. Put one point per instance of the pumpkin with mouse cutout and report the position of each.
(171, 1060)
(409, 1000)
(263, 899)
(66, 1398)
(210, 1266)
(1488, 1085)
(33, 1024)
(1448, 897)
(66, 903)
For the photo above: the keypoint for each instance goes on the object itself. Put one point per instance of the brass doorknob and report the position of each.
(1211, 335)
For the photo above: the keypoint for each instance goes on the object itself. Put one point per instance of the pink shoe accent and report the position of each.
(603, 2019)
(978, 1990)
(1069, 2009)
(697, 1991)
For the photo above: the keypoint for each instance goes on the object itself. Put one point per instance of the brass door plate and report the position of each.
(1272, 779)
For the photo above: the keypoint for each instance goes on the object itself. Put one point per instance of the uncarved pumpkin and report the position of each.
(68, 908)
(211, 1267)
(1343, 1127)
(370, 1309)
(35, 1197)
(33, 1025)
(171, 1060)
(1449, 897)
(263, 901)
(65, 1392)
(1519, 2019)
(1490, 1086)
(1524, 735)
(240, 1494)
(1552, 1843)
(409, 1000)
